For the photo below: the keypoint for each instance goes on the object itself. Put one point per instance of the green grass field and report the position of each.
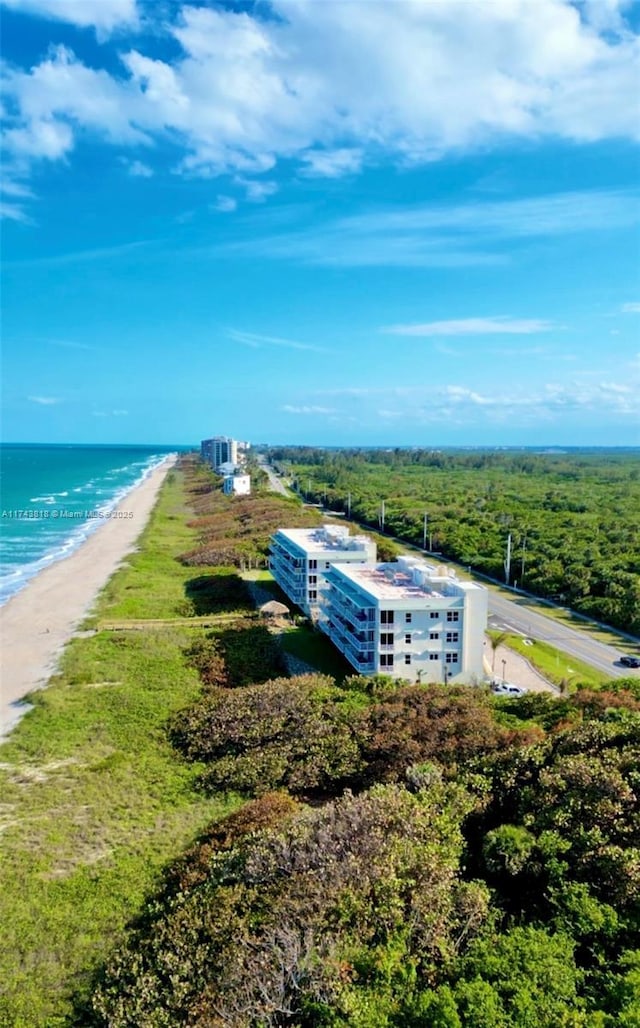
(560, 668)
(95, 802)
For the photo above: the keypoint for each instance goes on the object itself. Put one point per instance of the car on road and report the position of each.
(506, 689)
(628, 661)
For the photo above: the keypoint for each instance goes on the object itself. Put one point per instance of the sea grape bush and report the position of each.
(309, 736)
(335, 912)
(505, 896)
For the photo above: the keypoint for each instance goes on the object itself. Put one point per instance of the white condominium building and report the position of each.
(301, 558)
(408, 619)
(219, 450)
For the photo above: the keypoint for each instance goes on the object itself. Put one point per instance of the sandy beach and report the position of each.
(36, 623)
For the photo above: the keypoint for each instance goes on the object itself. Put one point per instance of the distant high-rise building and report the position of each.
(219, 450)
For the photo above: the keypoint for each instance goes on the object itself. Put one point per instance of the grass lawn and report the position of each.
(556, 666)
(312, 646)
(95, 802)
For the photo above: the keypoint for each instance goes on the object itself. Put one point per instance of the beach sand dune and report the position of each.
(36, 623)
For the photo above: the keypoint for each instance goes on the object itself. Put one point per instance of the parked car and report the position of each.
(506, 689)
(628, 661)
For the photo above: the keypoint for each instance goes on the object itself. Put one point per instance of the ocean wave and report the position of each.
(17, 578)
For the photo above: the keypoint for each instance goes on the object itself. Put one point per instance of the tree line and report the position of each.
(573, 518)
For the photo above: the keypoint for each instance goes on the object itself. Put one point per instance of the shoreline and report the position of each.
(37, 622)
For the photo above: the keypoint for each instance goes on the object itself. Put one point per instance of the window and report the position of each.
(434, 615)
(386, 617)
(313, 579)
(407, 658)
(313, 595)
(386, 660)
(408, 616)
(434, 635)
(313, 564)
(327, 565)
(434, 656)
(452, 637)
(386, 639)
(407, 638)
(453, 615)
(451, 658)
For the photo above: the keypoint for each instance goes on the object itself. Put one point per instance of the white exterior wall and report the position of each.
(301, 557)
(438, 622)
(238, 484)
(218, 451)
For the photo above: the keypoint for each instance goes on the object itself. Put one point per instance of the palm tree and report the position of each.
(496, 640)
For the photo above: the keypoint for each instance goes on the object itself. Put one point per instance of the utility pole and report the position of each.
(349, 505)
(424, 531)
(507, 563)
(524, 547)
(382, 515)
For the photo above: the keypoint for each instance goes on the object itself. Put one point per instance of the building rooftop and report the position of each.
(326, 538)
(406, 579)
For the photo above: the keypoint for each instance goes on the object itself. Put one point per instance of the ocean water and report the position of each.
(52, 497)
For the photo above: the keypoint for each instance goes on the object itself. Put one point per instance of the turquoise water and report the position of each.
(53, 497)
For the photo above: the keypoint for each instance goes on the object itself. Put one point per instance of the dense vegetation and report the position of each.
(487, 887)
(315, 738)
(574, 519)
(238, 534)
(368, 854)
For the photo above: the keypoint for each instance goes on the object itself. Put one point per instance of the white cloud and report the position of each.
(257, 341)
(289, 409)
(10, 187)
(139, 170)
(14, 212)
(331, 85)
(501, 325)
(225, 204)
(435, 235)
(631, 308)
(45, 401)
(257, 192)
(515, 402)
(103, 15)
(79, 256)
(41, 138)
(331, 163)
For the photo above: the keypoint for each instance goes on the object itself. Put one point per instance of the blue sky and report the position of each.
(321, 222)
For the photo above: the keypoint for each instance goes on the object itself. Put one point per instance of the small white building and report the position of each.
(406, 618)
(301, 557)
(240, 485)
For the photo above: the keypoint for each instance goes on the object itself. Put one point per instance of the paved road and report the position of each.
(274, 481)
(516, 615)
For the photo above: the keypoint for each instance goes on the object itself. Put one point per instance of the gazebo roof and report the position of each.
(274, 608)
